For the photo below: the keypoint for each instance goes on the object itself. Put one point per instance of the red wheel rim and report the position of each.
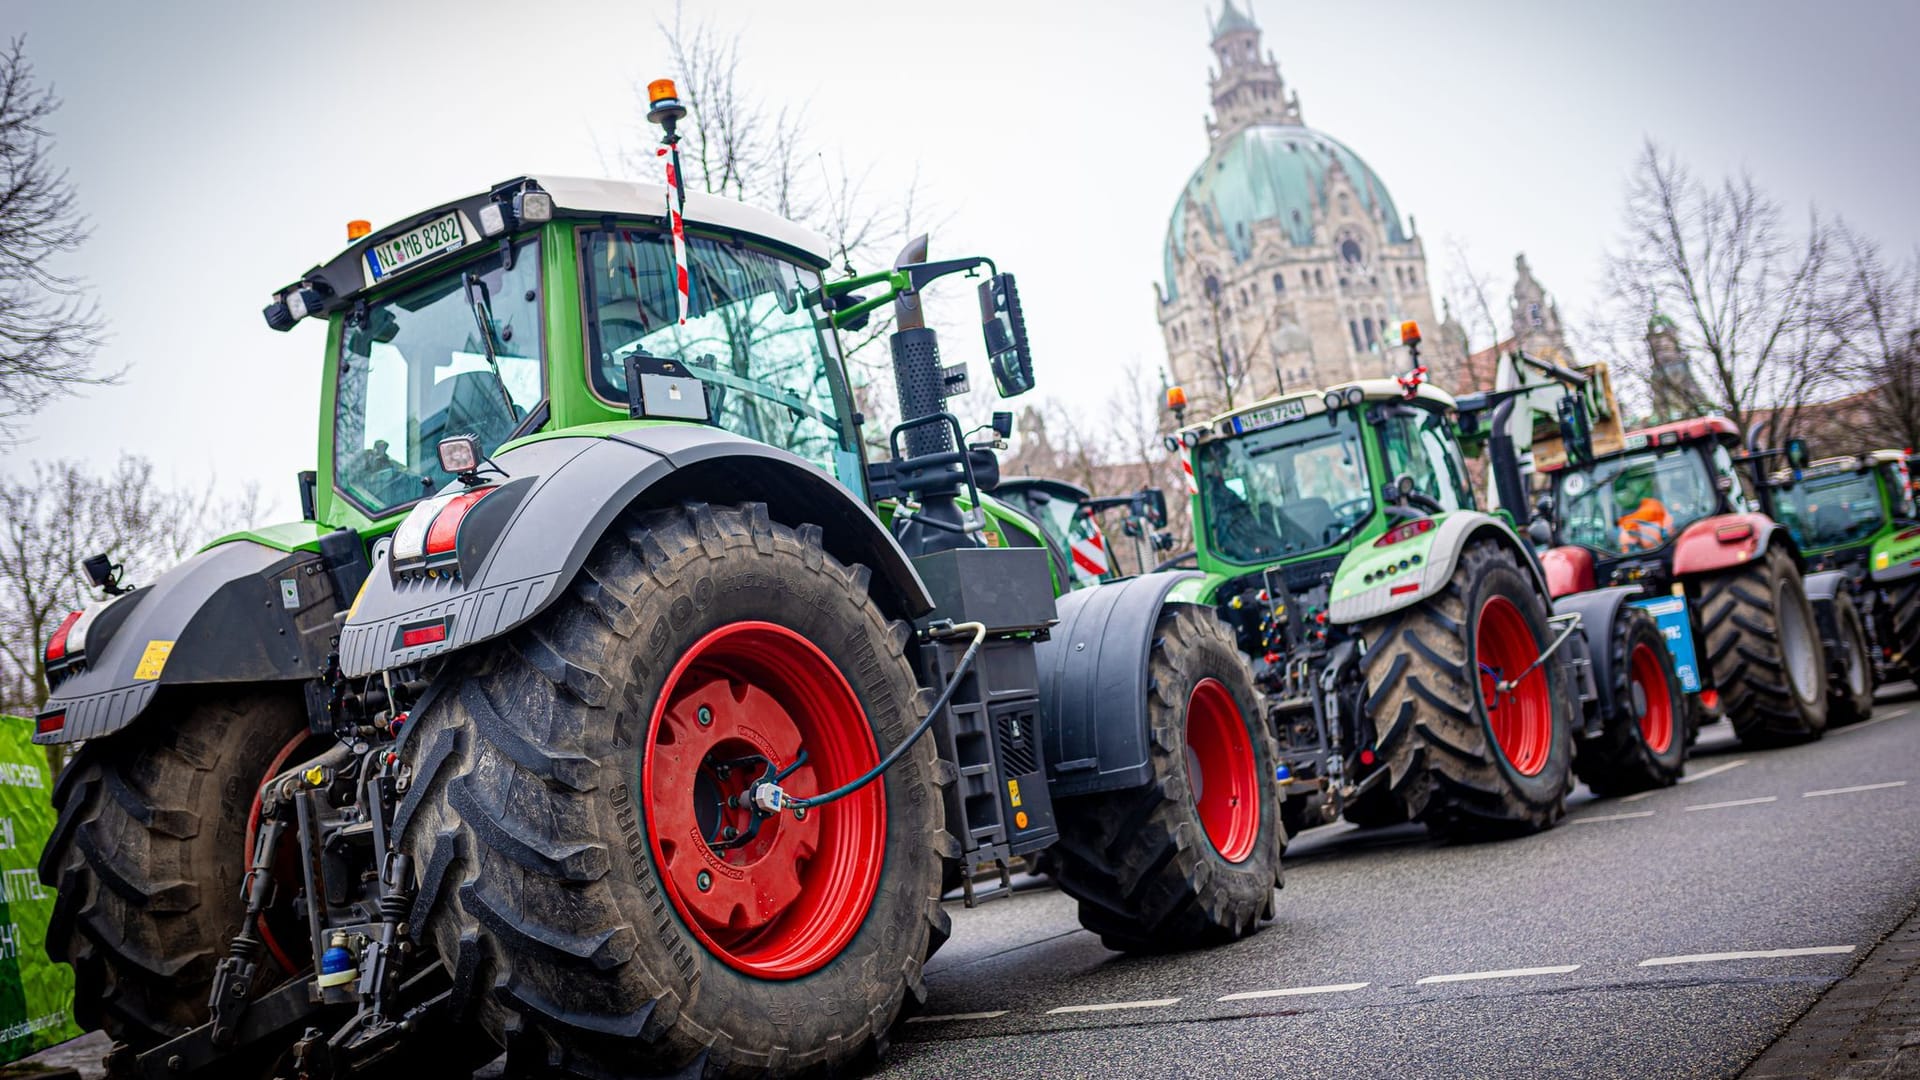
(1521, 718)
(1220, 769)
(785, 903)
(1656, 706)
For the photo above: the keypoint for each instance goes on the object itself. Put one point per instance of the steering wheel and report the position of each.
(1357, 506)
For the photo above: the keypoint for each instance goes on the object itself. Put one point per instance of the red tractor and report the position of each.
(1670, 514)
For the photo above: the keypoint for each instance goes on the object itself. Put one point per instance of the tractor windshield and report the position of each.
(1285, 490)
(1829, 511)
(414, 369)
(1635, 502)
(771, 373)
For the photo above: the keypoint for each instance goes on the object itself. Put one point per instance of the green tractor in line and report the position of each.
(608, 706)
(1415, 666)
(1071, 519)
(1857, 516)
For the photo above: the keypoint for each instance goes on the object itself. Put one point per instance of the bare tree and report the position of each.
(1752, 300)
(49, 329)
(60, 513)
(1883, 354)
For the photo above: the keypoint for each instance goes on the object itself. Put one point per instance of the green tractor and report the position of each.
(1414, 663)
(608, 706)
(1071, 520)
(1857, 516)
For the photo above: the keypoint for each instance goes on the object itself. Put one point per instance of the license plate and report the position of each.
(415, 245)
(1281, 413)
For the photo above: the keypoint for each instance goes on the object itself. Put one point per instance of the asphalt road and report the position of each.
(1584, 951)
(1596, 949)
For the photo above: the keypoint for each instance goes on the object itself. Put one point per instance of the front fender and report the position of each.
(1599, 610)
(1896, 557)
(238, 612)
(1372, 580)
(1093, 684)
(1725, 541)
(579, 486)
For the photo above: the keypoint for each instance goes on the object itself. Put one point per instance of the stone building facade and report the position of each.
(1287, 266)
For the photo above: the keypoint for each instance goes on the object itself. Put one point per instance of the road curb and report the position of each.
(1866, 1026)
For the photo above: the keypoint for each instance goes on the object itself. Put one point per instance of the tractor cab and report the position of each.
(1837, 508)
(549, 303)
(1624, 514)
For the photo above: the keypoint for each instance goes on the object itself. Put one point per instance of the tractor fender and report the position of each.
(576, 487)
(1725, 541)
(1093, 684)
(1431, 558)
(1599, 610)
(237, 612)
(1822, 588)
(1896, 557)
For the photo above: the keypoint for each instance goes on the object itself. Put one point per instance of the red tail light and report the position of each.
(423, 635)
(1401, 590)
(1404, 532)
(57, 644)
(445, 530)
(50, 724)
(1710, 698)
(1909, 534)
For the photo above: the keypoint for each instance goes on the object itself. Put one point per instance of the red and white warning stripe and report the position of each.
(1090, 554)
(1186, 467)
(679, 230)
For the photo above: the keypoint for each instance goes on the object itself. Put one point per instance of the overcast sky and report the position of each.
(219, 148)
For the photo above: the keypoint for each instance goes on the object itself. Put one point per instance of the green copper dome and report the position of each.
(1270, 173)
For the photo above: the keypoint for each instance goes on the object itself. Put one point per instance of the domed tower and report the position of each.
(1286, 264)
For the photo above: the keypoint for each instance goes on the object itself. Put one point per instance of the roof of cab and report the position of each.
(344, 275)
(1374, 389)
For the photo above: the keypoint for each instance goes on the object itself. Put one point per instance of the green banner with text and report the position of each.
(36, 994)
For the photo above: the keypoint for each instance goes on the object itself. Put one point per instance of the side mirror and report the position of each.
(1151, 503)
(1540, 533)
(1006, 333)
(1797, 453)
(1576, 433)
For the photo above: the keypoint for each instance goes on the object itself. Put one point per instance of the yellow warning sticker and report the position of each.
(1013, 791)
(154, 660)
(354, 608)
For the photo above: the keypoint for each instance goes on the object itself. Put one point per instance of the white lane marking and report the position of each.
(1870, 723)
(1690, 778)
(1611, 817)
(1757, 954)
(1735, 802)
(943, 1018)
(1293, 991)
(1104, 1006)
(1510, 973)
(1851, 790)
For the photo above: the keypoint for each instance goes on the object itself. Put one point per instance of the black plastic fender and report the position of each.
(1822, 588)
(1598, 611)
(580, 485)
(1093, 684)
(239, 612)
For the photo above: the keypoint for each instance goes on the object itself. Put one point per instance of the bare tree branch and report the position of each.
(49, 328)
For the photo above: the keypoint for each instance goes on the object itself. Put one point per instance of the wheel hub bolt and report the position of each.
(705, 881)
(729, 833)
(799, 813)
(706, 716)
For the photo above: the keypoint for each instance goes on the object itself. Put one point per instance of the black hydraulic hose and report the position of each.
(946, 695)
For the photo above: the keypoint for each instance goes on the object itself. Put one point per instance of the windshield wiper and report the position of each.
(480, 299)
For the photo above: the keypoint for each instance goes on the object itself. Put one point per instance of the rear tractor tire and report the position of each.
(1193, 857)
(576, 799)
(1849, 662)
(1643, 744)
(1468, 760)
(1764, 653)
(147, 857)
